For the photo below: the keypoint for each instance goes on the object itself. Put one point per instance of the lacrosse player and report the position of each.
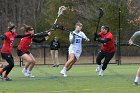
(23, 49)
(6, 50)
(107, 49)
(137, 78)
(75, 47)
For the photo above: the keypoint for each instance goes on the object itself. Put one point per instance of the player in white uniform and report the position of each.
(131, 42)
(75, 47)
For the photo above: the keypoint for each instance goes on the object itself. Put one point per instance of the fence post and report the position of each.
(21, 61)
(93, 54)
(44, 55)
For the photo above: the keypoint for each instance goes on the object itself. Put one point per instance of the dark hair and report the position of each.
(106, 28)
(26, 28)
(11, 26)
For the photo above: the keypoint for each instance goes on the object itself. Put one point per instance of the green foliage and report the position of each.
(87, 12)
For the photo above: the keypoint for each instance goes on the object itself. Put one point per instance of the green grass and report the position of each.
(81, 79)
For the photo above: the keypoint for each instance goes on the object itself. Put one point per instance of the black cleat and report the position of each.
(7, 79)
(135, 83)
(54, 66)
(57, 65)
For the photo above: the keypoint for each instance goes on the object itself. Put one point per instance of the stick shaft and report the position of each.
(136, 45)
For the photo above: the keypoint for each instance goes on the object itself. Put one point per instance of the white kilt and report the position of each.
(76, 51)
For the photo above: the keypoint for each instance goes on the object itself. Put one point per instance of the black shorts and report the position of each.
(5, 56)
(20, 53)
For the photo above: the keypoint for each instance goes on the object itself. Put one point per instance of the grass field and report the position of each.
(81, 79)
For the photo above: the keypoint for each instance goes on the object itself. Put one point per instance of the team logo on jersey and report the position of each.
(11, 39)
(77, 51)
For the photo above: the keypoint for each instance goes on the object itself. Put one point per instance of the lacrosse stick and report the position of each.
(136, 45)
(60, 12)
(60, 27)
(101, 13)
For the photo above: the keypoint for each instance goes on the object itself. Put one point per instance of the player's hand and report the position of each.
(87, 39)
(49, 33)
(130, 42)
(46, 38)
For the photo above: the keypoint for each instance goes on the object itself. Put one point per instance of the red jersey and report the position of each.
(25, 43)
(8, 42)
(110, 45)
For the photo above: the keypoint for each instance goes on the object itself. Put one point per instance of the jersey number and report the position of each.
(77, 40)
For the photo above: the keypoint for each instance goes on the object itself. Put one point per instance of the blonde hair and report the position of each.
(26, 28)
(79, 23)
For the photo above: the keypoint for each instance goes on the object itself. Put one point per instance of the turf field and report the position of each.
(81, 79)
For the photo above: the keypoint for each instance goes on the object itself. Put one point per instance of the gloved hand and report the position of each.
(96, 36)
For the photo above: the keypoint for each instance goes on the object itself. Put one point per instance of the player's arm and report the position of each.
(103, 40)
(42, 34)
(39, 40)
(85, 37)
(133, 37)
(71, 37)
(21, 36)
(3, 36)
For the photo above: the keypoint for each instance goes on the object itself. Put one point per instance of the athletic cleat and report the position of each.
(54, 66)
(24, 70)
(7, 79)
(57, 66)
(30, 75)
(63, 73)
(26, 74)
(98, 68)
(101, 72)
(135, 83)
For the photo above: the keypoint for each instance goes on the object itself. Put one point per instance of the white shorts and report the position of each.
(76, 51)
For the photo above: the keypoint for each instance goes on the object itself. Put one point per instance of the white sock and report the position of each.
(137, 79)
(64, 69)
(99, 66)
(28, 71)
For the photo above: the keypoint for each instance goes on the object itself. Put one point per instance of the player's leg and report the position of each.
(71, 64)
(99, 58)
(31, 66)
(108, 57)
(29, 61)
(67, 64)
(53, 57)
(137, 78)
(9, 67)
(56, 58)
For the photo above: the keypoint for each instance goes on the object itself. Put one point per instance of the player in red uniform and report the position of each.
(107, 49)
(6, 50)
(23, 49)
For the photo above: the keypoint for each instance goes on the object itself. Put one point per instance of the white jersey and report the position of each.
(76, 46)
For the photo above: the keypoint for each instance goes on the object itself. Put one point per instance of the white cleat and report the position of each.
(99, 67)
(26, 74)
(31, 76)
(63, 73)
(24, 70)
(101, 72)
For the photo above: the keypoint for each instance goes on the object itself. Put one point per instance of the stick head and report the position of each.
(61, 9)
(101, 13)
